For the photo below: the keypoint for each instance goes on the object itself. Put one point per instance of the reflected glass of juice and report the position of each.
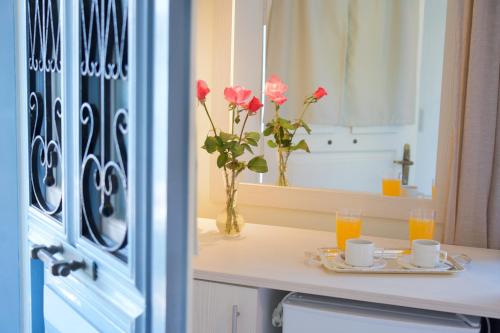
(348, 225)
(421, 224)
(391, 185)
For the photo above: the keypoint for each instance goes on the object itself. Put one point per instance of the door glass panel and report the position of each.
(45, 105)
(104, 123)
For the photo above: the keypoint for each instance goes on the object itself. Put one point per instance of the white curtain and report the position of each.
(365, 53)
(306, 47)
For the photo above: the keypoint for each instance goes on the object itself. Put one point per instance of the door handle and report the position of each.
(234, 322)
(405, 164)
(55, 266)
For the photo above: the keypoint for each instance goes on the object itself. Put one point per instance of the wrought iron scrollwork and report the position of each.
(45, 152)
(104, 123)
(104, 39)
(44, 36)
(45, 105)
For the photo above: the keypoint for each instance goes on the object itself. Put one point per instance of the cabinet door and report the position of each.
(224, 308)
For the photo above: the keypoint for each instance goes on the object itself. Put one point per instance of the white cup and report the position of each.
(427, 253)
(359, 252)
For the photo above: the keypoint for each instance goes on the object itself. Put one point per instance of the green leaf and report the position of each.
(227, 136)
(253, 135)
(301, 145)
(236, 165)
(237, 119)
(306, 127)
(269, 130)
(252, 142)
(241, 167)
(221, 160)
(237, 150)
(247, 147)
(220, 145)
(286, 142)
(272, 144)
(258, 164)
(210, 144)
(285, 124)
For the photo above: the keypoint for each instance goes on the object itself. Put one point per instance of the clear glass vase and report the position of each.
(229, 221)
(282, 165)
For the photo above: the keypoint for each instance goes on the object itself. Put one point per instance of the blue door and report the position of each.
(96, 167)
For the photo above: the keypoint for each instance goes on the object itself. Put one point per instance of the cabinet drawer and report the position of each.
(221, 308)
(227, 308)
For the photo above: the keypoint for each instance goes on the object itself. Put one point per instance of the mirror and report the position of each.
(381, 63)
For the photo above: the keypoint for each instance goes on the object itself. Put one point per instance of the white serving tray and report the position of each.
(329, 259)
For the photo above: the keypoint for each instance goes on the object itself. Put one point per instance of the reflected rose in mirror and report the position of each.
(319, 93)
(276, 89)
(237, 95)
(283, 130)
(202, 90)
(254, 106)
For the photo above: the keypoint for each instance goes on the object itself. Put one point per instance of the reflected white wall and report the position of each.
(430, 92)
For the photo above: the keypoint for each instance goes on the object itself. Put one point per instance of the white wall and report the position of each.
(206, 51)
(205, 16)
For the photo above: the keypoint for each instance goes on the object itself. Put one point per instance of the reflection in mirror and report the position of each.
(381, 63)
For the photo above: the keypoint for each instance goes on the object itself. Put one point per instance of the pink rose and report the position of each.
(275, 90)
(254, 105)
(237, 95)
(319, 93)
(280, 99)
(202, 90)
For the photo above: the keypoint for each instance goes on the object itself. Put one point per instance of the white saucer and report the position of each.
(339, 262)
(405, 262)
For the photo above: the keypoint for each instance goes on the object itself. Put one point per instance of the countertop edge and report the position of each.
(344, 293)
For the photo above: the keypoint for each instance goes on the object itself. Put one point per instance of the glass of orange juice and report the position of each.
(348, 225)
(391, 185)
(421, 224)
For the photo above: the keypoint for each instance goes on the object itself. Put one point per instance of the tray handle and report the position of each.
(462, 259)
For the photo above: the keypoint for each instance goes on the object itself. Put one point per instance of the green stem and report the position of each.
(231, 216)
(276, 121)
(233, 112)
(306, 107)
(243, 127)
(282, 181)
(231, 220)
(282, 164)
(209, 118)
(233, 194)
(215, 134)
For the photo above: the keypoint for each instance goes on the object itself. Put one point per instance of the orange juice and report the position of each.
(347, 228)
(391, 187)
(420, 228)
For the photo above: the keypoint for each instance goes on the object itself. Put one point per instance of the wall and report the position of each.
(204, 57)
(9, 218)
(207, 48)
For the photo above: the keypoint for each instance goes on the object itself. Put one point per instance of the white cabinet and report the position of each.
(226, 308)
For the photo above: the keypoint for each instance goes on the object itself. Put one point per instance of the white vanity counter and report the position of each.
(273, 257)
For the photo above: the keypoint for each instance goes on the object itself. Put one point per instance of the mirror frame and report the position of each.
(238, 41)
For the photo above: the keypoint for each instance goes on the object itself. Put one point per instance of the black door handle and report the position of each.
(64, 268)
(55, 266)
